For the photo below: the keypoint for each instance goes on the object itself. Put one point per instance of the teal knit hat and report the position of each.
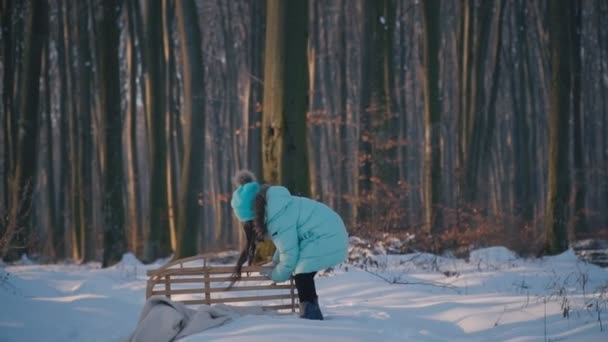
(242, 201)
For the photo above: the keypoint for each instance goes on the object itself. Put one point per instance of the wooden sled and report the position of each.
(193, 282)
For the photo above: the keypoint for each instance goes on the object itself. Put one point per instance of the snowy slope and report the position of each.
(495, 296)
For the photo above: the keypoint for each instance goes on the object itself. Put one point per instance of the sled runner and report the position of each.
(193, 282)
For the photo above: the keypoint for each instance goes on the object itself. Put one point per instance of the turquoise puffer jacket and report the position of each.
(309, 236)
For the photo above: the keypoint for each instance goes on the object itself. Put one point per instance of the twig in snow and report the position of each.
(400, 282)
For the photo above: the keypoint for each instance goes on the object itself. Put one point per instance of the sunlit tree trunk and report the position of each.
(285, 95)
(133, 17)
(73, 145)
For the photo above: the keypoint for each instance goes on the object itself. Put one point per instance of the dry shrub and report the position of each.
(466, 229)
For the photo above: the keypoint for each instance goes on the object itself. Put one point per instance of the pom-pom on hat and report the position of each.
(243, 197)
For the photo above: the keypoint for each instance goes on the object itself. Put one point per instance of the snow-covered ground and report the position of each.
(494, 296)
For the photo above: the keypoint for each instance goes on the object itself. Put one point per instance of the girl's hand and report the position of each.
(267, 272)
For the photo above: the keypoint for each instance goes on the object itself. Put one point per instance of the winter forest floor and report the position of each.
(492, 296)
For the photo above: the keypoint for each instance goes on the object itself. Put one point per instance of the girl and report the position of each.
(308, 235)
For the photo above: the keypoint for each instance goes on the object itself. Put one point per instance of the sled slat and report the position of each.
(195, 284)
(201, 270)
(236, 299)
(177, 279)
(224, 289)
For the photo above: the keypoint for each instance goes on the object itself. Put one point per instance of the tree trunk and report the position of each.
(368, 110)
(85, 167)
(285, 95)
(433, 220)
(556, 239)
(157, 244)
(133, 52)
(523, 193)
(476, 119)
(59, 235)
(345, 164)
(114, 211)
(22, 182)
(74, 146)
(6, 57)
(191, 185)
(53, 249)
(256, 89)
(575, 21)
(274, 92)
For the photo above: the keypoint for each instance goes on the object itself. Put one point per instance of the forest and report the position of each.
(452, 123)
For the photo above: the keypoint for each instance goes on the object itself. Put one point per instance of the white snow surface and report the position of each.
(494, 296)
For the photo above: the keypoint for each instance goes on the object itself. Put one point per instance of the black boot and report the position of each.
(311, 310)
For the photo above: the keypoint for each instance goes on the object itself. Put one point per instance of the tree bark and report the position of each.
(286, 95)
(580, 220)
(157, 244)
(191, 184)
(476, 118)
(556, 238)
(433, 220)
(85, 167)
(114, 211)
(23, 177)
(521, 92)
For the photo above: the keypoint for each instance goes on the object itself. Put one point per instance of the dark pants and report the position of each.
(305, 283)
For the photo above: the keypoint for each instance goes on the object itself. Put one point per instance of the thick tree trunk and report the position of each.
(59, 235)
(285, 95)
(114, 211)
(556, 238)
(157, 244)
(274, 92)
(22, 182)
(191, 185)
